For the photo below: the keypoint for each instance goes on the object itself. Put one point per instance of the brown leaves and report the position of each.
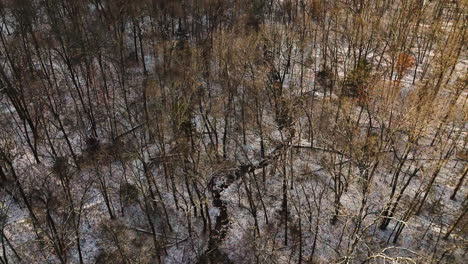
(403, 63)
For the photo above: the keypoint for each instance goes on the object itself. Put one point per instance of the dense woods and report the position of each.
(233, 131)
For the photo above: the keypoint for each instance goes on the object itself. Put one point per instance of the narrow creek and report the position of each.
(218, 183)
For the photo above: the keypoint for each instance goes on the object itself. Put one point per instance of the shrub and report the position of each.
(129, 193)
(92, 144)
(355, 82)
(325, 78)
(60, 166)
